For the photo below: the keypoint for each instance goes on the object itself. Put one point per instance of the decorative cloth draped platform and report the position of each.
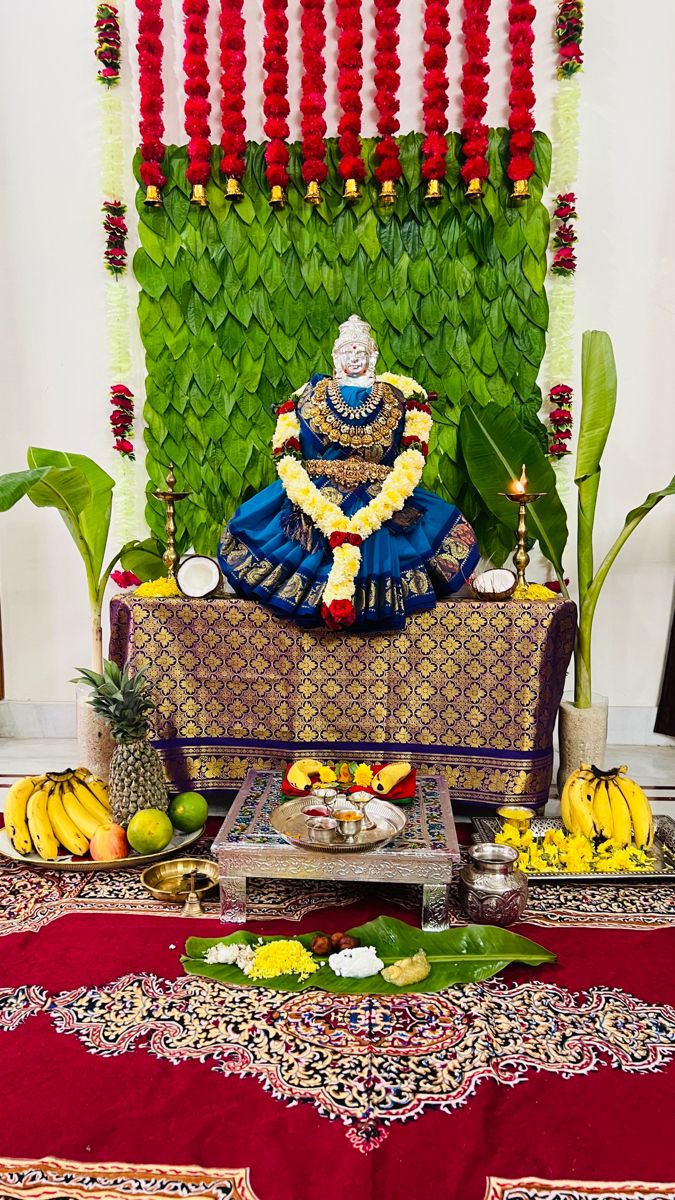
(469, 690)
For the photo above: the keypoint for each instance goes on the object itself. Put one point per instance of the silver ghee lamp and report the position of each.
(491, 890)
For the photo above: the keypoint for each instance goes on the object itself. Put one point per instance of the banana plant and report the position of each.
(81, 491)
(598, 390)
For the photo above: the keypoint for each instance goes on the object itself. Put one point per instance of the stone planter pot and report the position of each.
(94, 740)
(582, 736)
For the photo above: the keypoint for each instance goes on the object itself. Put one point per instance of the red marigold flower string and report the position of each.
(435, 102)
(387, 82)
(351, 167)
(475, 73)
(197, 103)
(149, 46)
(108, 44)
(233, 63)
(275, 104)
(313, 97)
(521, 97)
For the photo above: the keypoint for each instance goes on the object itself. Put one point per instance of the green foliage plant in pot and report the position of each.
(81, 492)
(583, 723)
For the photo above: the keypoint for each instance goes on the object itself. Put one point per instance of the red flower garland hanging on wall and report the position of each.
(108, 44)
(116, 230)
(233, 64)
(313, 97)
(197, 103)
(387, 82)
(151, 126)
(475, 89)
(275, 104)
(521, 97)
(122, 418)
(569, 28)
(350, 64)
(435, 102)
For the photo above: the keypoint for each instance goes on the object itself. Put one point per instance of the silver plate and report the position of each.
(68, 862)
(663, 852)
(289, 820)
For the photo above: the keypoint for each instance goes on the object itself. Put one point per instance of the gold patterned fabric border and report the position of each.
(576, 1189)
(469, 689)
(67, 1179)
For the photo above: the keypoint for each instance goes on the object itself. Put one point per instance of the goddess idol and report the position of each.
(346, 534)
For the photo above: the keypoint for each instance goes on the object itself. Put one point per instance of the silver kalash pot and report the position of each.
(491, 890)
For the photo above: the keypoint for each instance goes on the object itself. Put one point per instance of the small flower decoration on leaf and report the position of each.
(363, 775)
(327, 775)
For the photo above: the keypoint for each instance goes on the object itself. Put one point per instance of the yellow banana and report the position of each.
(64, 829)
(575, 786)
(83, 793)
(99, 790)
(602, 809)
(389, 776)
(16, 805)
(79, 815)
(41, 831)
(621, 824)
(640, 812)
(581, 810)
(299, 773)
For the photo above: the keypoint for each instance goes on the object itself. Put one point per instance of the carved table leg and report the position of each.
(435, 901)
(233, 899)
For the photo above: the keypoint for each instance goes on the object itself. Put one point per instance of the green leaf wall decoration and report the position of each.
(240, 304)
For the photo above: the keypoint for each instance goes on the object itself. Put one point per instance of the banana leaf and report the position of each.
(15, 485)
(144, 559)
(598, 386)
(495, 446)
(88, 521)
(462, 955)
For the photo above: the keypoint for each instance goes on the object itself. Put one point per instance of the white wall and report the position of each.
(52, 321)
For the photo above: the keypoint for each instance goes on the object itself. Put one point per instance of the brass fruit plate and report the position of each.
(289, 820)
(171, 880)
(68, 862)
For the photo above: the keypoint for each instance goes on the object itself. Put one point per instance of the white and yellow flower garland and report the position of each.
(345, 534)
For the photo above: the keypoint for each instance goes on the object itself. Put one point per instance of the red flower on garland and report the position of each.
(340, 614)
(521, 96)
(387, 82)
(197, 103)
(342, 538)
(115, 229)
(313, 91)
(122, 419)
(149, 45)
(569, 28)
(350, 65)
(125, 579)
(435, 101)
(108, 44)
(275, 88)
(233, 63)
(565, 206)
(560, 420)
(564, 235)
(475, 89)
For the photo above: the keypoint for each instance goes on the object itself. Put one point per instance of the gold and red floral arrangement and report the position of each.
(116, 230)
(313, 98)
(197, 101)
(387, 82)
(122, 419)
(560, 420)
(275, 104)
(232, 67)
(108, 44)
(475, 73)
(521, 97)
(151, 128)
(435, 99)
(569, 29)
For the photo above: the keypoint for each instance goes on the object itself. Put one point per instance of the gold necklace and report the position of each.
(358, 411)
(321, 418)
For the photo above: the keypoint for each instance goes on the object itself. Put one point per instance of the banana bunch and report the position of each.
(299, 774)
(61, 808)
(606, 804)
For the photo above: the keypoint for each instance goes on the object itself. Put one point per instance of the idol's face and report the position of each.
(354, 360)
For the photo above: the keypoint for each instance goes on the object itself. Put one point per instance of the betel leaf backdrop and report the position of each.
(240, 304)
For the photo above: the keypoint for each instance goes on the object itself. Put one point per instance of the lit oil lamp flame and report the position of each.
(519, 486)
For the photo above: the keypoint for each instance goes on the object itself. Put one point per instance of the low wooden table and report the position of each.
(248, 847)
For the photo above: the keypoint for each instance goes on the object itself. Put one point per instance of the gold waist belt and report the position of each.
(347, 472)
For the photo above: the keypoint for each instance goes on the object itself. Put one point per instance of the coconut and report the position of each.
(498, 584)
(198, 576)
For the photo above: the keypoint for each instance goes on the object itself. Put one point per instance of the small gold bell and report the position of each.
(474, 190)
(232, 189)
(278, 196)
(388, 192)
(351, 191)
(313, 193)
(199, 195)
(433, 193)
(521, 190)
(153, 196)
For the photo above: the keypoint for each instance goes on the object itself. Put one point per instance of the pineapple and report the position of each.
(136, 775)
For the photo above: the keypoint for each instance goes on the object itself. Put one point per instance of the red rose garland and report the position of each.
(569, 28)
(197, 103)
(560, 420)
(275, 105)
(122, 418)
(313, 97)
(564, 237)
(521, 96)
(149, 46)
(475, 89)
(233, 63)
(435, 102)
(108, 44)
(387, 82)
(350, 63)
(115, 228)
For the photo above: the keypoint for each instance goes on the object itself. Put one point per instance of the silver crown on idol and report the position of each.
(355, 352)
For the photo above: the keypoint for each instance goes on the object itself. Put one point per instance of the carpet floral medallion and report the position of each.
(366, 1061)
(61, 1179)
(567, 1189)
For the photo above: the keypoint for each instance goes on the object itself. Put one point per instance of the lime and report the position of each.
(188, 811)
(149, 831)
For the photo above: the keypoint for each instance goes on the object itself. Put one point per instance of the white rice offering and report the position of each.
(235, 954)
(358, 963)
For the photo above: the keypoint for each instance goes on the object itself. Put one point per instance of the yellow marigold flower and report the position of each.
(158, 587)
(363, 775)
(327, 775)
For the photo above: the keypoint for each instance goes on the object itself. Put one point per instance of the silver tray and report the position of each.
(289, 820)
(68, 862)
(663, 852)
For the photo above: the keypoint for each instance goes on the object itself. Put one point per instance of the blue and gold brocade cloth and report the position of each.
(468, 689)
